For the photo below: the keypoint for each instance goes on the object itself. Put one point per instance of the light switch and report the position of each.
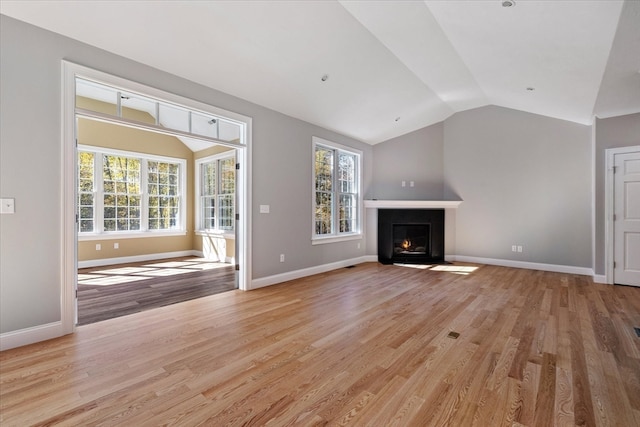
(8, 206)
(264, 208)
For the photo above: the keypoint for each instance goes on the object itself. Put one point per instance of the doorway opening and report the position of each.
(144, 215)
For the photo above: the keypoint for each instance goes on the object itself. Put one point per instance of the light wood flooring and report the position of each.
(117, 290)
(369, 345)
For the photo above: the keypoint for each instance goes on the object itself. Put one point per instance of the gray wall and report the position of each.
(524, 180)
(30, 160)
(623, 131)
(416, 156)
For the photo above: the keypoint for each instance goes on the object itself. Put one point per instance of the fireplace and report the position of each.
(410, 236)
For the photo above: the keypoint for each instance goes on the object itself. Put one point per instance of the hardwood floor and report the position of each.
(370, 345)
(118, 290)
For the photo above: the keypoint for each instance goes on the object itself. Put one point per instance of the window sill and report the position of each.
(129, 235)
(216, 233)
(335, 239)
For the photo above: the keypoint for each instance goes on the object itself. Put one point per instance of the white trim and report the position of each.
(585, 271)
(593, 194)
(227, 236)
(115, 235)
(609, 182)
(412, 204)
(297, 274)
(336, 239)
(600, 278)
(243, 184)
(32, 335)
(144, 159)
(136, 258)
(68, 229)
(197, 202)
(336, 236)
(159, 95)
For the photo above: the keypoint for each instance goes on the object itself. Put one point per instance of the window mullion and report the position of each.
(98, 176)
(335, 209)
(217, 192)
(144, 196)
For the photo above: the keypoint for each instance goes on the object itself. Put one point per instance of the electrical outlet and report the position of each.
(8, 206)
(98, 247)
(514, 248)
(412, 184)
(404, 183)
(281, 257)
(116, 246)
(519, 248)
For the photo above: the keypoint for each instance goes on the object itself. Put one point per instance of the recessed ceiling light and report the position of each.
(325, 77)
(508, 3)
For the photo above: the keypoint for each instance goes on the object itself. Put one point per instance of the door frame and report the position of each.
(68, 253)
(609, 191)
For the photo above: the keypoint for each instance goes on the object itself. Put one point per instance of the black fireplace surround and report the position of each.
(410, 236)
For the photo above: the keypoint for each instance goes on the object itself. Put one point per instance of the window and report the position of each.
(123, 192)
(216, 183)
(336, 200)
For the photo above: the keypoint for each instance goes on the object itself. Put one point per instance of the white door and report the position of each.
(626, 202)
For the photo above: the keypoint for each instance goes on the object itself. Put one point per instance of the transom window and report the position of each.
(216, 184)
(337, 202)
(120, 192)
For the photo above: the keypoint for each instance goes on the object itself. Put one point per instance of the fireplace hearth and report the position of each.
(410, 236)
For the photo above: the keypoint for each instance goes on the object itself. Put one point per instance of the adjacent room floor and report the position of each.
(118, 290)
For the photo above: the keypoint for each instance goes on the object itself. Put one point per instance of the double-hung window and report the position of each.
(337, 204)
(122, 193)
(216, 187)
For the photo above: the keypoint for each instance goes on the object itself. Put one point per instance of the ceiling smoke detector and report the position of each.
(508, 3)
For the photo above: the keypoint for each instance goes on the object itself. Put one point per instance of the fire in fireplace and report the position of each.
(411, 239)
(410, 236)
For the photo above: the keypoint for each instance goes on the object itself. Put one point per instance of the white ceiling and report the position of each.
(421, 61)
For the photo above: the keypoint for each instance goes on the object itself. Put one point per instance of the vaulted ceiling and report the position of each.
(390, 67)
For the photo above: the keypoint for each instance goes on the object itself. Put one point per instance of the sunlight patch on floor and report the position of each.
(116, 275)
(110, 280)
(455, 269)
(123, 270)
(416, 266)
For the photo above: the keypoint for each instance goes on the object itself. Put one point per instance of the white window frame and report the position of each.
(336, 235)
(200, 230)
(98, 211)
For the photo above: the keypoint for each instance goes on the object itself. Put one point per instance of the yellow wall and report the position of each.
(100, 134)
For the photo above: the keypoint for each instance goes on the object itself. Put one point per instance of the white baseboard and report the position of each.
(600, 278)
(32, 335)
(523, 264)
(297, 274)
(135, 258)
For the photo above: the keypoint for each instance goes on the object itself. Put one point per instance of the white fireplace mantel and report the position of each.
(412, 204)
